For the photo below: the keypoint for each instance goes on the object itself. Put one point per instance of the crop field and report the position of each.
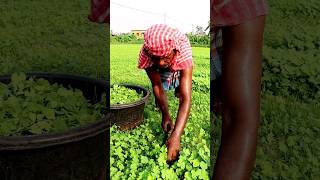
(51, 36)
(141, 153)
(290, 125)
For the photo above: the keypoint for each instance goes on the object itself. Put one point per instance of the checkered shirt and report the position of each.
(100, 11)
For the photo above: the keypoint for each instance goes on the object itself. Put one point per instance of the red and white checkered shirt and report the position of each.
(233, 12)
(160, 40)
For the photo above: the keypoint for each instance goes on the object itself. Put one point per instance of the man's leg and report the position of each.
(215, 68)
(241, 78)
(216, 96)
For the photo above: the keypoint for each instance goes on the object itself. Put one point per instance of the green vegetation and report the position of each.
(123, 95)
(52, 36)
(127, 38)
(141, 152)
(199, 40)
(55, 36)
(33, 106)
(288, 144)
(291, 51)
(48, 36)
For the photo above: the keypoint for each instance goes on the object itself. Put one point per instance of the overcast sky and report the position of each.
(182, 14)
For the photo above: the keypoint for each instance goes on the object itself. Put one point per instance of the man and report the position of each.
(237, 34)
(167, 58)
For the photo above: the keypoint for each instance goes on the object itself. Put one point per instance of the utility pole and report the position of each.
(192, 29)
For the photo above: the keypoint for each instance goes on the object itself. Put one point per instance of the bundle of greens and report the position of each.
(123, 95)
(34, 106)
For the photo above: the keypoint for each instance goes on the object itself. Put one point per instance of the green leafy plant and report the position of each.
(34, 106)
(291, 51)
(123, 95)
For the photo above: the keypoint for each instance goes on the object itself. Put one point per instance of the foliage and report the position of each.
(291, 51)
(126, 38)
(52, 36)
(199, 40)
(290, 73)
(288, 145)
(33, 106)
(123, 95)
(141, 152)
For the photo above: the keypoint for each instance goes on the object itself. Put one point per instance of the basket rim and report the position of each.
(133, 104)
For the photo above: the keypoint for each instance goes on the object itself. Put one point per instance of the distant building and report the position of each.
(138, 33)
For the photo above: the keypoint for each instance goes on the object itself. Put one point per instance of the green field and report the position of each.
(140, 153)
(51, 36)
(290, 126)
(55, 36)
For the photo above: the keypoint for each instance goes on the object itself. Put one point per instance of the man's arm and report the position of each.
(161, 98)
(241, 78)
(185, 89)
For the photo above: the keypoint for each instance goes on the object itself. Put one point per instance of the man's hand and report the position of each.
(167, 124)
(173, 145)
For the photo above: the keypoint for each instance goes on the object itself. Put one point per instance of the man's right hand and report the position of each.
(167, 124)
(161, 98)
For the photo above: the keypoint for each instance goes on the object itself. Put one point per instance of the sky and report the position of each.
(126, 15)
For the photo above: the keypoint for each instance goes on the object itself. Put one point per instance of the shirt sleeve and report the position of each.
(233, 12)
(100, 11)
(144, 60)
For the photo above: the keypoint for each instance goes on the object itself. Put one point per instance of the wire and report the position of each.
(154, 13)
(135, 9)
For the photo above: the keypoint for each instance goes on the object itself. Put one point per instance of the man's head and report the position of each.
(160, 44)
(162, 61)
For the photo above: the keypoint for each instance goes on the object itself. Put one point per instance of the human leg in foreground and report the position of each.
(241, 79)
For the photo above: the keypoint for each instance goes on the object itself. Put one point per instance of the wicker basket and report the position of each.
(129, 116)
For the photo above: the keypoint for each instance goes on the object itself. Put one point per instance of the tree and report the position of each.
(199, 30)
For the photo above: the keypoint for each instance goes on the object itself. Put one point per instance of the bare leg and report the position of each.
(216, 96)
(241, 78)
